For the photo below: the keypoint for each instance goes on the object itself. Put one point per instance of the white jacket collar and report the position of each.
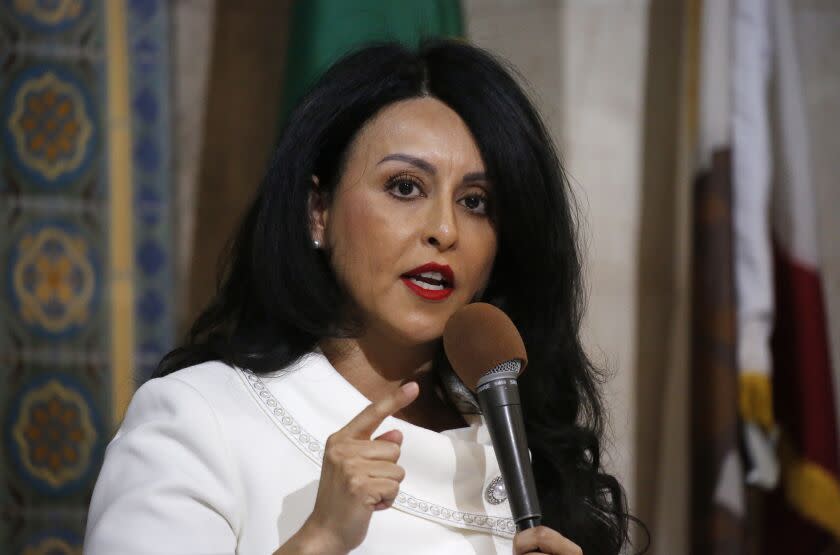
(447, 474)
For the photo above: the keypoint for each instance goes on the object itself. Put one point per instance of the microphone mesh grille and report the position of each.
(509, 366)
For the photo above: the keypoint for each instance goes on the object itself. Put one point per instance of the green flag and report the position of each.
(322, 31)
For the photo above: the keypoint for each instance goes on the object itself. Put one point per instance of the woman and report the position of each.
(311, 409)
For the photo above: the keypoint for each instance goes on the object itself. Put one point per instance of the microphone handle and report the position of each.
(502, 409)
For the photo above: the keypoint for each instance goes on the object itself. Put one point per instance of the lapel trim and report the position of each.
(313, 448)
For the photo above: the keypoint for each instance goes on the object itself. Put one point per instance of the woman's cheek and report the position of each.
(369, 233)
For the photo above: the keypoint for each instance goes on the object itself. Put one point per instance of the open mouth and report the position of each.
(431, 281)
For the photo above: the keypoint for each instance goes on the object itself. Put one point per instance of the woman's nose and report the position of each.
(442, 232)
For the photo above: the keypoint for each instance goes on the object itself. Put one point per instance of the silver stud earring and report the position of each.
(316, 243)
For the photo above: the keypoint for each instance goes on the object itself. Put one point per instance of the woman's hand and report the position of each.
(359, 475)
(542, 539)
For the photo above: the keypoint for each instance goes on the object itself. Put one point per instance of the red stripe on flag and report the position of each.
(802, 514)
(803, 390)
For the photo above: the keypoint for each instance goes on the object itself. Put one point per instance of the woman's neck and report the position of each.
(377, 368)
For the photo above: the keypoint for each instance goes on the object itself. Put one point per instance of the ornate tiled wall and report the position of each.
(85, 249)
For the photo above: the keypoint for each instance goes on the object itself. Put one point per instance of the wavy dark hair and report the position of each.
(278, 296)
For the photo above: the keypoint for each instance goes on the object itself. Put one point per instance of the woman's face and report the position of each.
(408, 229)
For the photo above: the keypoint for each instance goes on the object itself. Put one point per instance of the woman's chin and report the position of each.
(416, 333)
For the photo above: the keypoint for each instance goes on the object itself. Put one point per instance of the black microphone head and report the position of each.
(478, 338)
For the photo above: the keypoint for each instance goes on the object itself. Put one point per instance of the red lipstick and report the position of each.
(431, 281)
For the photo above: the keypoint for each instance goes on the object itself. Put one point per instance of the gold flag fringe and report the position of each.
(755, 399)
(811, 490)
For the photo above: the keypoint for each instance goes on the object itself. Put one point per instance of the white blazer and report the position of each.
(213, 459)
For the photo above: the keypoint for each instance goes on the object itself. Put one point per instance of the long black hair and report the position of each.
(278, 296)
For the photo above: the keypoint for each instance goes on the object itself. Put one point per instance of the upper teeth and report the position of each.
(432, 275)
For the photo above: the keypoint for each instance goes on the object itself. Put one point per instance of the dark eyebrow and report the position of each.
(475, 176)
(429, 168)
(413, 160)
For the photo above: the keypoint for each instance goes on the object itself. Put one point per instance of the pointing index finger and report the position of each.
(364, 424)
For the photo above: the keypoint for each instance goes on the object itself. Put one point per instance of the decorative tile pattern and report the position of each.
(54, 434)
(49, 130)
(48, 16)
(53, 279)
(53, 542)
(148, 25)
(58, 246)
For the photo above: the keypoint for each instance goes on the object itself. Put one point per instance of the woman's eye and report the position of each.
(476, 203)
(403, 188)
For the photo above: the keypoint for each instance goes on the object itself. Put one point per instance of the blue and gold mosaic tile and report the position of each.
(51, 541)
(50, 133)
(63, 194)
(53, 434)
(54, 278)
(48, 17)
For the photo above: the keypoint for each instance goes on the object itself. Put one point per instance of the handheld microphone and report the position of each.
(486, 351)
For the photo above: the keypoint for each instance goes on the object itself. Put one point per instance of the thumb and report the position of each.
(394, 436)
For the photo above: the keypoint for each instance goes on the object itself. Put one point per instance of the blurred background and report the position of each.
(701, 140)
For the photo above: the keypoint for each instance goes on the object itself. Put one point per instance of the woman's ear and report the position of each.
(318, 213)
